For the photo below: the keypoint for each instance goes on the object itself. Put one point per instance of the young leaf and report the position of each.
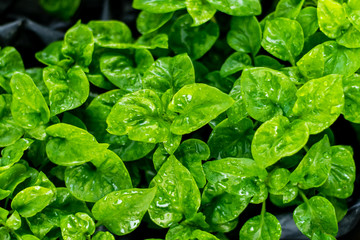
(28, 107)
(278, 138)
(308, 21)
(288, 8)
(351, 109)
(267, 93)
(177, 194)
(237, 8)
(201, 11)
(197, 104)
(77, 226)
(13, 153)
(283, 38)
(235, 63)
(139, 115)
(265, 226)
(122, 211)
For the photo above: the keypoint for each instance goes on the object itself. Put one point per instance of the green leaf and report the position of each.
(10, 63)
(103, 236)
(52, 54)
(352, 13)
(332, 18)
(191, 153)
(288, 8)
(139, 115)
(294, 75)
(316, 216)
(315, 167)
(231, 140)
(195, 41)
(237, 8)
(267, 93)
(67, 90)
(197, 104)
(177, 194)
(14, 221)
(329, 58)
(237, 111)
(236, 175)
(234, 63)
(90, 184)
(32, 200)
(351, 109)
(350, 38)
(64, 9)
(268, 62)
(278, 178)
(308, 20)
(221, 207)
(28, 107)
(340, 182)
(320, 102)
(278, 138)
(159, 6)
(265, 226)
(79, 44)
(125, 71)
(13, 153)
(71, 146)
(201, 11)
(79, 226)
(110, 34)
(283, 38)
(122, 211)
(169, 73)
(148, 22)
(214, 79)
(245, 35)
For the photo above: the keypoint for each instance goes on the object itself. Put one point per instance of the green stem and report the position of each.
(263, 208)
(303, 196)
(306, 148)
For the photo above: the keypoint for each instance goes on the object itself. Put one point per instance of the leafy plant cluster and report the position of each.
(207, 112)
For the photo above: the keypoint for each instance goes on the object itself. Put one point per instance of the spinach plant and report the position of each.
(215, 107)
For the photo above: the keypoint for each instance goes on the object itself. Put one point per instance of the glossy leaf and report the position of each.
(67, 90)
(283, 38)
(177, 194)
(351, 87)
(32, 200)
(89, 184)
(267, 93)
(320, 102)
(261, 227)
(340, 182)
(237, 8)
(197, 104)
(109, 34)
(278, 178)
(77, 227)
(278, 138)
(28, 107)
(103, 236)
(332, 18)
(71, 146)
(267, 61)
(231, 140)
(201, 11)
(169, 73)
(139, 115)
(308, 21)
(122, 211)
(52, 54)
(159, 6)
(315, 167)
(350, 38)
(289, 8)
(13, 153)
(234, 63)
(329, 58)
(237, 111)
(195, 41)
(10, 62)
(191, 153)
(148, 22)
(316, 216)
(79, 44)
(245, 35)
(125, 71)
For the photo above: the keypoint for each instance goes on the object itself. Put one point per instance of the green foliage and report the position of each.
(185, 128)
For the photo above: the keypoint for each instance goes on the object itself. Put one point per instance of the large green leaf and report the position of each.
(177, 194)
(159, 6)
(197, 104)
(308, 21)
(261, 227)
(13, 153)
(267, 93)
(288, 8)
(351, 87)
(278, 138)
(201, 11)
(237, 8)
(122, 211)
(320, 102)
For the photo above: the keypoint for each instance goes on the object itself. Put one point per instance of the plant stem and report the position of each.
(303, 196)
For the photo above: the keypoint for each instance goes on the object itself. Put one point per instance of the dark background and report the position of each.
(27, 27)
